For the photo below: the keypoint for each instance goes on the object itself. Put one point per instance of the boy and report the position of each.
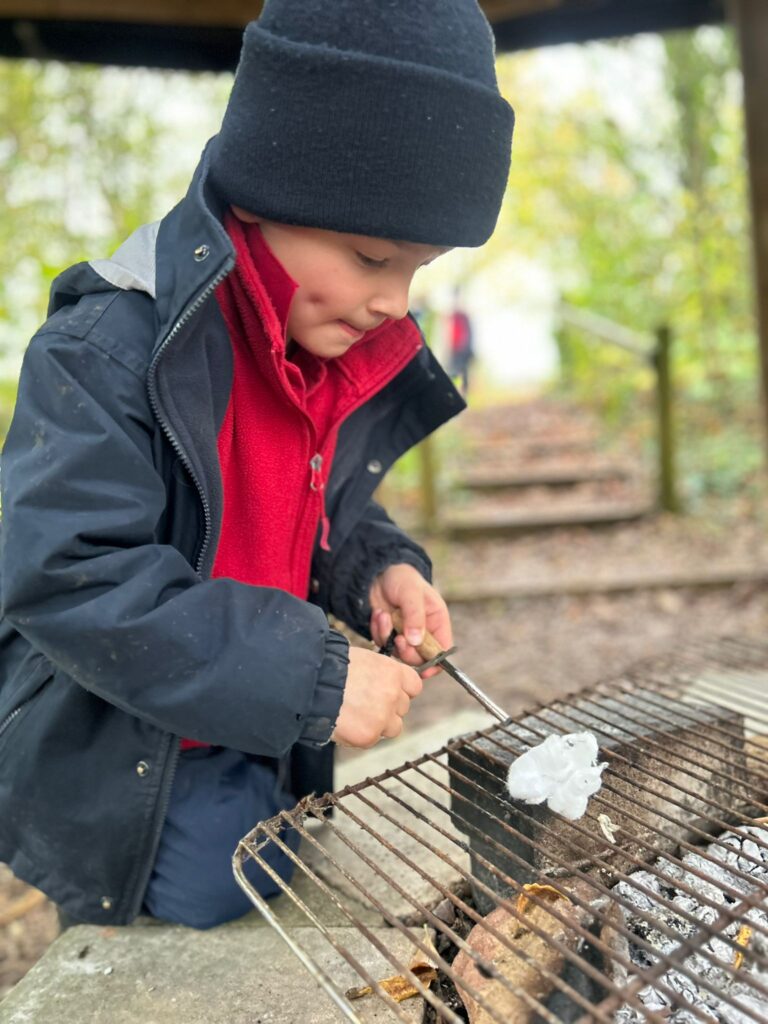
(186, 483)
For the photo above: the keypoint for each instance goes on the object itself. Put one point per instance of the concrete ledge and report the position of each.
(388, 754)
(242, 973)
(171, 975)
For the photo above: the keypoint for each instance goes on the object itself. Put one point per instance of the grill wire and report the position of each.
(349, 866)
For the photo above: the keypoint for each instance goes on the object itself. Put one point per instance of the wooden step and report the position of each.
(697, 578)
(514, 450)
(539, 476)
(469, 523)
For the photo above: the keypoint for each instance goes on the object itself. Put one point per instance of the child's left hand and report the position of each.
(404, 588)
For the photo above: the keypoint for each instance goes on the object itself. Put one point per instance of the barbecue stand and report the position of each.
(653, 903)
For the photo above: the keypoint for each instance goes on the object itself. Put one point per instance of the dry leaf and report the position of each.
(745, 934)
(607, 827)
(400, 988)
(548, 893)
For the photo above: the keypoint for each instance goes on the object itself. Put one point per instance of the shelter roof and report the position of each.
(199, 35)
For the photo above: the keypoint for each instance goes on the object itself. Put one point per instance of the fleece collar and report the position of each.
(278, 436)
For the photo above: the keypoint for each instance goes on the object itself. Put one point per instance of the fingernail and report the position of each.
(414, 636)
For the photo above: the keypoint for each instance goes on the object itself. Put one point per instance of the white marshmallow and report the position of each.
(562, 770)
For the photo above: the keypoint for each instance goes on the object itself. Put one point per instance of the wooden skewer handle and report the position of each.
(429, 649)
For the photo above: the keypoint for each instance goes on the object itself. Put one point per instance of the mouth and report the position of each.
(350, 329)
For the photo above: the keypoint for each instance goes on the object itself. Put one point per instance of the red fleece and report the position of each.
(278, 437)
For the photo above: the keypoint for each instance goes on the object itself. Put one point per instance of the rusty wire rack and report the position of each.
(654, 904)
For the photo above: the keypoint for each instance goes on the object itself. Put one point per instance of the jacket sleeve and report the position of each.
(376, 543)
(87, 582)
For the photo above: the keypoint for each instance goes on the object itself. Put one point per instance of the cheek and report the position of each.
(306, 311)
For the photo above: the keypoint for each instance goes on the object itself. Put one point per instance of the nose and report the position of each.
(391, 300)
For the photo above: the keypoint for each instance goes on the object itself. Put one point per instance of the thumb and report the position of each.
(413, 621)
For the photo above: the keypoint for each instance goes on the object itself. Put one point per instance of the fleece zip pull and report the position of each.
(317, 484)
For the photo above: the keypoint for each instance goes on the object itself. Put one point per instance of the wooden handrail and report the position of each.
(640, 345)
(655, 350)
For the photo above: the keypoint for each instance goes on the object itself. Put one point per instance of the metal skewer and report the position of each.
(433, 654)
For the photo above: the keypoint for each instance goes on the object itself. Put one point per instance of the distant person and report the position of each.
(187, 481)
(461, 351)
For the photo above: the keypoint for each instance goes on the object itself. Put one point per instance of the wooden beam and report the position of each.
(751, 18)
(150, 12)
(202, 12)
(498, 10)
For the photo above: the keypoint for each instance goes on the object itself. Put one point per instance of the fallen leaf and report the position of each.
(745, 934)
(607, 827)
(400, 988)
(548, 893)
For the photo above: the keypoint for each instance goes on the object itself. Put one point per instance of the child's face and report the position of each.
(348, 284)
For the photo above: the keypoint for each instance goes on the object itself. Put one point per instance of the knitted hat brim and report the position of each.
(411, 132)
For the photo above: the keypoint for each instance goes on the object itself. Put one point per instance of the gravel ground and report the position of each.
(529, 651)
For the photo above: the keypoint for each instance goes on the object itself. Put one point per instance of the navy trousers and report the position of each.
(217, 797)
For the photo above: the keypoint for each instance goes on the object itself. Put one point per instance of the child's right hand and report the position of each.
(377, 697)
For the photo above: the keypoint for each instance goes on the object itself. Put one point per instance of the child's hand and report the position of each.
(403, 587)
(377, 697)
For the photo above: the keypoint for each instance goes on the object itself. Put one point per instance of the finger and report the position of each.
(411, 683)
(414, 617)
(411, 657)
(403, 705)
(385, 624)
(394, 728)
(439, 623)
(378, 627)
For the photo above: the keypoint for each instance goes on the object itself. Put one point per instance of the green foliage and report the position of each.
(87, 155)
(628, 183)
(634, 193)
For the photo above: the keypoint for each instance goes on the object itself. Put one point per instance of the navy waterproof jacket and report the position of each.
(114, 640)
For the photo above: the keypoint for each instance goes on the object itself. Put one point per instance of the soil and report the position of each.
(25, 938)
(530, 649)
(530, 652)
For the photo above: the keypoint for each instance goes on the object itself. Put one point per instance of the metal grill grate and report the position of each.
(653, 907)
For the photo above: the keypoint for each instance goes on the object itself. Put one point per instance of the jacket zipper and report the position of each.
(172, 759)
(175, 443)
(9, 718)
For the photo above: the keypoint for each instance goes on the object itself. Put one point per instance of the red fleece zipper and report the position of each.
(278, 437)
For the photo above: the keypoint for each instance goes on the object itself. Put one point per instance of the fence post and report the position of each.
(667, 480)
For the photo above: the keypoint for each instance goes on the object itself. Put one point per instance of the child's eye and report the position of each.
(369, 261)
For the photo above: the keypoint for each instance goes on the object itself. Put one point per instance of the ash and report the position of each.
(696, 1002)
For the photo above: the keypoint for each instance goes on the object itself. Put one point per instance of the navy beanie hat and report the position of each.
(373, 117)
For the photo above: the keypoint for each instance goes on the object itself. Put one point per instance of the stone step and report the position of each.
(474, 524)
(499, 479)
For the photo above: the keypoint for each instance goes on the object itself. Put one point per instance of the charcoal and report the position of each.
(684, 752)
(718, 970)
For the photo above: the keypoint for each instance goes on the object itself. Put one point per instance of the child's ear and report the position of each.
(244, 215)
